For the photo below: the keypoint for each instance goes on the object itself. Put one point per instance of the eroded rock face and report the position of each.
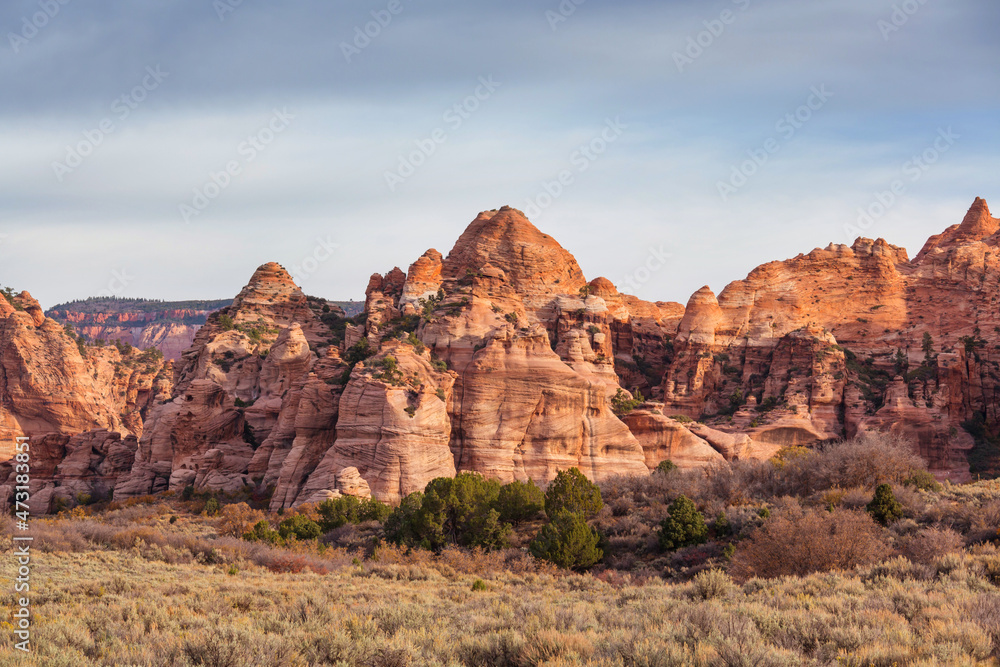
(423, 280)
(304, 433)
(240, 383)
(76, 406)
(393, 427)
(525, 414)
(868, 310)
(665, 439)
(534, 265)
(48, 386)
(535, 348)
(501, 358)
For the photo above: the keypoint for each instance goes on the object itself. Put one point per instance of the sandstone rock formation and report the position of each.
(665, 439)
(499, 358)
(231, 391)
(872, 315)
(52, 388)
(393, 428)
(533, 347)
(502, 358)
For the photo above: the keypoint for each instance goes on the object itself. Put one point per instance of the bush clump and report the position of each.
(567, 541)
(622, 404)
(402, 526)
(884, 507)
(866, 461)
(572, 492)
(461, 510)
(684, 527)
(519, 502)
(262, 532)
(337, 512)
(666, 466)
(212, 507)
(238, 518)
(452, 510)
(301, 527)
(798, 542)
(472, 511)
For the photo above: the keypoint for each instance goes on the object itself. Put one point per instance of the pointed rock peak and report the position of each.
(703, 297)
(509, 221)
(533, 262)
(429, 258)
(271, 273)
(423, 279)
(701, 317)
(271, 269)
(25, 300)
(977, 225)
(270, 289)
(394, 280)
(979, 205)
(978, 222)
(862, 244)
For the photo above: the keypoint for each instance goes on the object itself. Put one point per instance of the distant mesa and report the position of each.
(169, 326)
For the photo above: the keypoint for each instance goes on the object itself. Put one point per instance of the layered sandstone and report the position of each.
(873, 312)
(501, 358)
(75, 403)
(393, 428)
(50, 384)
(535, 348)
(231, 391)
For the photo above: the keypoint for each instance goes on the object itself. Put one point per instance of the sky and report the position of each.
(166, 148)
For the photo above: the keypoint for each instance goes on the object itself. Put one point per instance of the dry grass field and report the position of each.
(119, 607)
(164, 603)
(157, 582)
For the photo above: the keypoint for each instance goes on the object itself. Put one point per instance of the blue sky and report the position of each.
(618, 99)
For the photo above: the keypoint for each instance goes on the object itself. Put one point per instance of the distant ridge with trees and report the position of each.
(100, 304)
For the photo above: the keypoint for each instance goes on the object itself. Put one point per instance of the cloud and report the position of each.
(354, 120)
